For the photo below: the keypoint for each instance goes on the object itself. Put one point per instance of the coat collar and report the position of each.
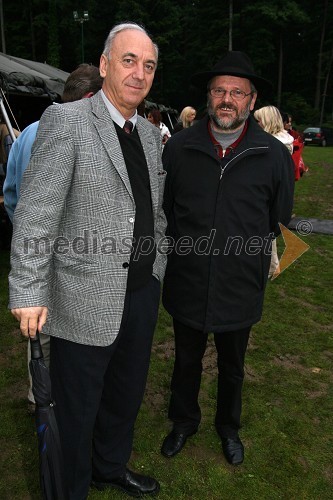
(198, 138)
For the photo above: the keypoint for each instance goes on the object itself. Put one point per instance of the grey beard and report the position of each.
(233, 124)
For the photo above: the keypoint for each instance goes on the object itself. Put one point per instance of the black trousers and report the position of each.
(98, 392)
(184, 409)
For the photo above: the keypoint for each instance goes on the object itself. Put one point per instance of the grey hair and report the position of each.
(253, 89)
(122, 27)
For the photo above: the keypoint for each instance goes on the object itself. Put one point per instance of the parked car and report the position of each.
(323, 136)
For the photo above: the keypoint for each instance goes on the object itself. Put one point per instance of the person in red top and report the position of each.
(298, 145)
(287, 123)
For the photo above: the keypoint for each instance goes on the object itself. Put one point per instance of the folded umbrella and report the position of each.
(51, 472)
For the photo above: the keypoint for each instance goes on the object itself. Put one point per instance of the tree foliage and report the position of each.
(288, 42)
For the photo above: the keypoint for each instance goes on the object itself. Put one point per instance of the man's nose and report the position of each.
(227, 96)
(139, 73)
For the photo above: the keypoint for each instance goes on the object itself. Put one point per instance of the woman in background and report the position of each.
(186, 119)
(155, 117)
(270, 119)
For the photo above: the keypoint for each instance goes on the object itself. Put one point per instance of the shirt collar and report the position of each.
(116, 116)
(217, 146)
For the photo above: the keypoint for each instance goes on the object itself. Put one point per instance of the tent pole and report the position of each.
(170, 120)
(5, 117)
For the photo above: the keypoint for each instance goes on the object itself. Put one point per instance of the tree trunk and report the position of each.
(230, 23)
(53, 53)
(325, 89)
(320, 58)
(279, 89)
(32, 30)
(3, 40)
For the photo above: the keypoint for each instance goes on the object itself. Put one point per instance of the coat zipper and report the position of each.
(222, 171)
(239, 154)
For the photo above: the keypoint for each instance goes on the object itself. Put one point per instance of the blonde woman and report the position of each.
(186, 119)
(270, 119)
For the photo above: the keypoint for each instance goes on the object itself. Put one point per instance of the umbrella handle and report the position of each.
(35, 347)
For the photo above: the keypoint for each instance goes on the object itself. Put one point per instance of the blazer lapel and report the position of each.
(108, 135)
(149, 148)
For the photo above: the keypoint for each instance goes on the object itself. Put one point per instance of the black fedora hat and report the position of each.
(233, 63)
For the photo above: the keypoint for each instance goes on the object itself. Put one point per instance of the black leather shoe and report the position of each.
(135, 485)
(173, 443)
(233, 450)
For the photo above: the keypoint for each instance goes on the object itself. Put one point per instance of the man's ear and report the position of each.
(253, 101)
(103, 63)
(87, 95)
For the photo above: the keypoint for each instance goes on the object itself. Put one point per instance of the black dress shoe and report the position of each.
(173, 443)
(233, 450)
(135, 485)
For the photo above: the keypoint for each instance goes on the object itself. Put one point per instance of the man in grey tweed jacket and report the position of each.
(85, 267)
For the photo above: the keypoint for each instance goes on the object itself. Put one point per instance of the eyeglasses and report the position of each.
(237, 95)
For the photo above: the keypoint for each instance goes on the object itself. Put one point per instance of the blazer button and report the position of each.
(131, 219)
(125, 265)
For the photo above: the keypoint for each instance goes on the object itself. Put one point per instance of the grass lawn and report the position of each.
(313, 193)
(288, 400)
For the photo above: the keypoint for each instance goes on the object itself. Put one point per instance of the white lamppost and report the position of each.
(81, 19)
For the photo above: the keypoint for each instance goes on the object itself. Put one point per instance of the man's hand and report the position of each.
(31, 319)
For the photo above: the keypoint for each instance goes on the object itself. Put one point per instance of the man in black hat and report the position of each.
(228, 187)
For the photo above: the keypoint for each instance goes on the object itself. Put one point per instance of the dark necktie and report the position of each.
(128, 126)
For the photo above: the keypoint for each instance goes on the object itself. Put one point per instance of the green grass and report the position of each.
(288, 400)
(313, 192)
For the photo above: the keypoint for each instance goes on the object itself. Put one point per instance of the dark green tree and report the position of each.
(53, 52)
(277, 18)
(290, 43)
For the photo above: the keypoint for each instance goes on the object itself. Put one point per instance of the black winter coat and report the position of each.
(221, 215)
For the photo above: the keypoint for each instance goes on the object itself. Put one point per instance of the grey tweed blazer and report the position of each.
(74, 222)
